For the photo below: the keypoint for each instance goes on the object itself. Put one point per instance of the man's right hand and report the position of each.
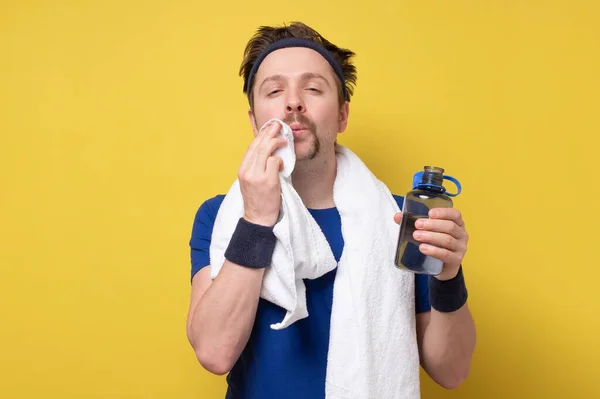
(259, 177)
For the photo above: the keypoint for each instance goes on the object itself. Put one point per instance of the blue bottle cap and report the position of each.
(418, 177)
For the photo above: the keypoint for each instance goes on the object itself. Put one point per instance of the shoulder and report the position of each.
(202, 232)
(204, 222)
(206, 215)
(209, 208)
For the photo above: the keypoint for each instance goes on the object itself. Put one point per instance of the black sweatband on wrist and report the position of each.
(448, 295)
(251, 245)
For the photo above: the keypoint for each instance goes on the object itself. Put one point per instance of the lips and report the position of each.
(298, 129)
(299, 132)
(297, 126)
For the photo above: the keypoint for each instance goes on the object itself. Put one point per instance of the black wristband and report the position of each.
(251, 245)
(449, 295)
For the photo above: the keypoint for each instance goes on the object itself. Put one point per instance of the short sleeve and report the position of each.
(202, 233)
(422, 293)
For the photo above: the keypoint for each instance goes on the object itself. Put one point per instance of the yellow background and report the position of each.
(118, 118)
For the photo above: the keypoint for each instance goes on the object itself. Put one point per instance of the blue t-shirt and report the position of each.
(289, 363)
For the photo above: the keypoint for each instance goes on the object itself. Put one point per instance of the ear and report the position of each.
(252, 122)
(343, 117)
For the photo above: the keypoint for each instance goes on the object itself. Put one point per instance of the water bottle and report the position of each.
(428, 192)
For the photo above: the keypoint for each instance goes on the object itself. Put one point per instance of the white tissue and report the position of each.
(286, 153)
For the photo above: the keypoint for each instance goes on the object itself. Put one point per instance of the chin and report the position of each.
(305, 151)
(305, 155)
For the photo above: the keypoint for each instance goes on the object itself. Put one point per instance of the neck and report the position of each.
(313, 180)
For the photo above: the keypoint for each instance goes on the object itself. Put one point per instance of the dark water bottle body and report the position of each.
(417, 204)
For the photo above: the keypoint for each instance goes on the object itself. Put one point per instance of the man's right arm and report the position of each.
(222, 311)
(222, 314)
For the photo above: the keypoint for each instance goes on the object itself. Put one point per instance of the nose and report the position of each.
(295, 103)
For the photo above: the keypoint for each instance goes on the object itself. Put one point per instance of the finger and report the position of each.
(264, 135)
(398, 217)
(438, 239)
(272, 129)
(440, 226)
(267, 132)
(442, 254)
(274, 166)
(248, 158)
(250, 155)
(266, 150)
(447, 214)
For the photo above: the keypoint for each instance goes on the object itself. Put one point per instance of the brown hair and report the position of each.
(266, 35)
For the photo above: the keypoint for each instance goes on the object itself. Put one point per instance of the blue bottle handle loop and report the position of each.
(458, 186)
(417, 183)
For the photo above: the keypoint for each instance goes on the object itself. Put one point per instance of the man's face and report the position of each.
(297, 85)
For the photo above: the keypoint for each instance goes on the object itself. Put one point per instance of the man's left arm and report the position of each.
(446, 344)
(446, 334)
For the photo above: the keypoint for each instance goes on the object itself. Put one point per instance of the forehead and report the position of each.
(293, 61)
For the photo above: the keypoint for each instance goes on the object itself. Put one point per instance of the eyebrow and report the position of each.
(304, 76)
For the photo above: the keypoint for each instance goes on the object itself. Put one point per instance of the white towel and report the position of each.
(372, 348)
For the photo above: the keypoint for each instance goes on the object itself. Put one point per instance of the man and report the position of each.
(309, 88)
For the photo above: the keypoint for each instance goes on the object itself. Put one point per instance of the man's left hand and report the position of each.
(444, 237)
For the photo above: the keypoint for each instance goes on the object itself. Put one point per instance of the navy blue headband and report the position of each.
(297, 42)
